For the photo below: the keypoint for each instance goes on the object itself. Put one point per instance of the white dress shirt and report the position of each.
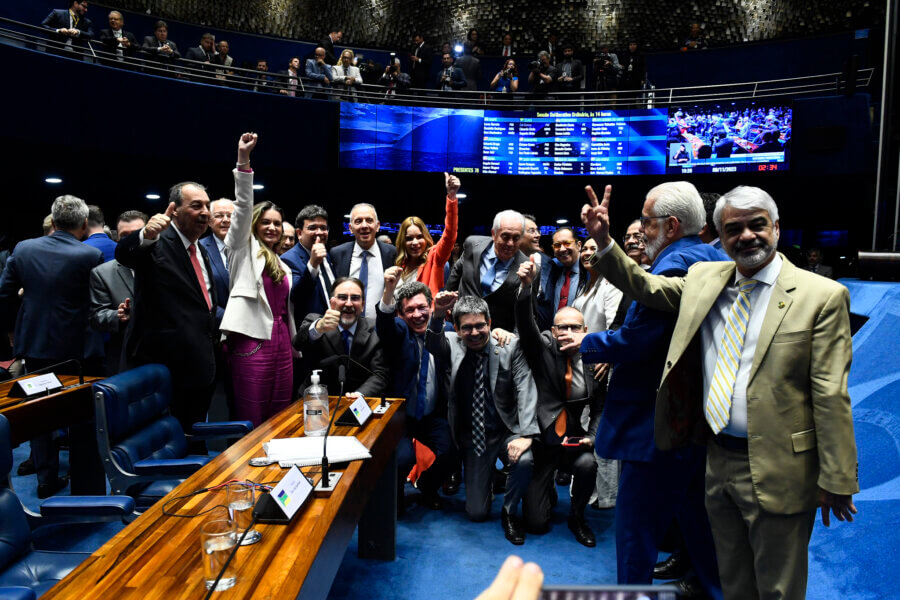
(375, 285)
(221, 246)
(713, 329)
(186, 242)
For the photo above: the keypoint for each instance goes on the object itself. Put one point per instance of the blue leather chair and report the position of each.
(142, 446)
(25, 572)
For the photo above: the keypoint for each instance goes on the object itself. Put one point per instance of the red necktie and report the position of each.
(192, 250)
(505, 50)
(560, 426)
(564, 292)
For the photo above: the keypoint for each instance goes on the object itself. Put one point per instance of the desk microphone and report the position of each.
(325, 481)
(50, 368)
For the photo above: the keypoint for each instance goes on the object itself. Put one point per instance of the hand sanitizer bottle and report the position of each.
(315, 407)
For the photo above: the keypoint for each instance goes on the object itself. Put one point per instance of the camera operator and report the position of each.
(507, 80)
(394, 79)
(571, 71)
(543, 75)
(450, 78)
(606, 70)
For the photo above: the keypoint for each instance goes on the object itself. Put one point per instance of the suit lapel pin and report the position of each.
(497, 351)
(781, 304)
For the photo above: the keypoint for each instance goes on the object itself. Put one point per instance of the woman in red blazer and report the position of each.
(417, 255)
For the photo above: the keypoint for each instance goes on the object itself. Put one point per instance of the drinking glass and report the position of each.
(217, 539)
(240, 504)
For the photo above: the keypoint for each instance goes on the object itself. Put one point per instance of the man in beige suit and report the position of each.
(756, 370)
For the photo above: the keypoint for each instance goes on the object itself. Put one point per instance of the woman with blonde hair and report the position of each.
(258, 322)
(418, 257)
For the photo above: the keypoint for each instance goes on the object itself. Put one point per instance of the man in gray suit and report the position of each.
(112, 288)
(492, 405)
(488, 265)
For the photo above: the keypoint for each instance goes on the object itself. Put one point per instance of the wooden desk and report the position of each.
(44, 414)
(158, 556)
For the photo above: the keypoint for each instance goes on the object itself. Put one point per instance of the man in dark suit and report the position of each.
(159, 47)
(220, 221)
(571, 71)
(487, 268)
(173, 319)
(565, 387)
(327, 44)
(450, 77)
(562, 279)
(366, 258)
(419, 377)
(814, 264)
(204, 53)
(343, 331)
(655, 485)
(51, 325)
(420, 62)
(112, 291)
(311, 266)
(116, 40)
(70, 23)
(492, 405)
(96, 233)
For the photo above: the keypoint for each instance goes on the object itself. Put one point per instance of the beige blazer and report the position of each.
(800, 429)
(248, 311)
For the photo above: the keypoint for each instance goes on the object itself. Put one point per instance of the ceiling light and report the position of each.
(53, 180)
(258, 186)
(461, 196)
(152, 196)
(561, 221)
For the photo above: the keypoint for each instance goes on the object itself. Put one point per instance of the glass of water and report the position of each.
(240, 505)
(217, 539)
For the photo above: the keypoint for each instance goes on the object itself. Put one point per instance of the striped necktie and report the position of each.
(479, 398)
(721, 388)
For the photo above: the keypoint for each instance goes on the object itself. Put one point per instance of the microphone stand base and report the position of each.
(333, 478)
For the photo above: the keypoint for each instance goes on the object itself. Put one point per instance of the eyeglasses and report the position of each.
(568, 327)
(566, 243)
(645, 220)
(475, 327)
(350, 297)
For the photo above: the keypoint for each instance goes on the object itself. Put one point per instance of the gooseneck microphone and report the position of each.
(325, 483)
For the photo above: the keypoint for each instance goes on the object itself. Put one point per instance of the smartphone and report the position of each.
(571, 442)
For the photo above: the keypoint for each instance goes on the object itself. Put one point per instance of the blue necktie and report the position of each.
(423, 382)
(487, 282)
(364, 270)
(348, 339)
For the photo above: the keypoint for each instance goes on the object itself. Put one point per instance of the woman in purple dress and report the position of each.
(258, 321)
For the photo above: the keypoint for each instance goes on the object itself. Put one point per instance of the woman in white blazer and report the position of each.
(258, 321)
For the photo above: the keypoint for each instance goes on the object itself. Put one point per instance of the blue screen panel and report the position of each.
(394, 148)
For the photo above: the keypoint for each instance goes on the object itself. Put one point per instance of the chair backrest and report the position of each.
(133, 421)
(15, 534)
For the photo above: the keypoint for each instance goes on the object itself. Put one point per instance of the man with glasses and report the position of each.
(343, 331)
(492, 406)
(221, 210)
(655, 485)
(565, 387)
(562, 279)
(416, 376)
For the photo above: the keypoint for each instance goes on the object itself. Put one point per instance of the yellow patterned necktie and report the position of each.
(721, 388)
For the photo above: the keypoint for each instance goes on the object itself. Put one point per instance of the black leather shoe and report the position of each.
(430, 500)
(582, 532)
(689, 588)
(674, 567)
(26, 468)
(512, 528)
(451, 486)
(563, 478)
(45, 490)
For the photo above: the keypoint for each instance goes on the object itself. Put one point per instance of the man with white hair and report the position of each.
(488, 265)
(654, 485)
(757, 372)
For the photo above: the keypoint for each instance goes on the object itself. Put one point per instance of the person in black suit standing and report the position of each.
(174, 318)
(488, 267)
(116, 40)
(204, 53)
(159, 47)
(70, 24)
(328, 44)
(51, 324)
(310, 263)
(420, 62)
(366, 258)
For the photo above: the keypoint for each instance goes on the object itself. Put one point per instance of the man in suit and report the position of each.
(159, 47)
(756, 370)
(327, 44)
(366, 258)
(204, 53)
(709, 234)
(318, 70)
(96, 233)
(450, 77)
(420, 62)
(224, 59)
(654, 485)
(70, 23)
(419, 377)
(470, 67)
(51, 320)
(116, 40)
(173, 320)
(565, 387)
(562, 279)
(343, 331)
(814, 263)
(492, 406)
(487, 268)
(112, 290)
(220, 222)
(310, 263)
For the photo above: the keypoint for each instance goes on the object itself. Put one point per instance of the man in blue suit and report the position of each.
(365, 258)
(654, 486)
(70, 23)
(96, 234)
(220, 221)
(318, 70)
(51, 325)
(418, 376)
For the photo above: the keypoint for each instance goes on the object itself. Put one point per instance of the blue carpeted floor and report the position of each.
(442, 554)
